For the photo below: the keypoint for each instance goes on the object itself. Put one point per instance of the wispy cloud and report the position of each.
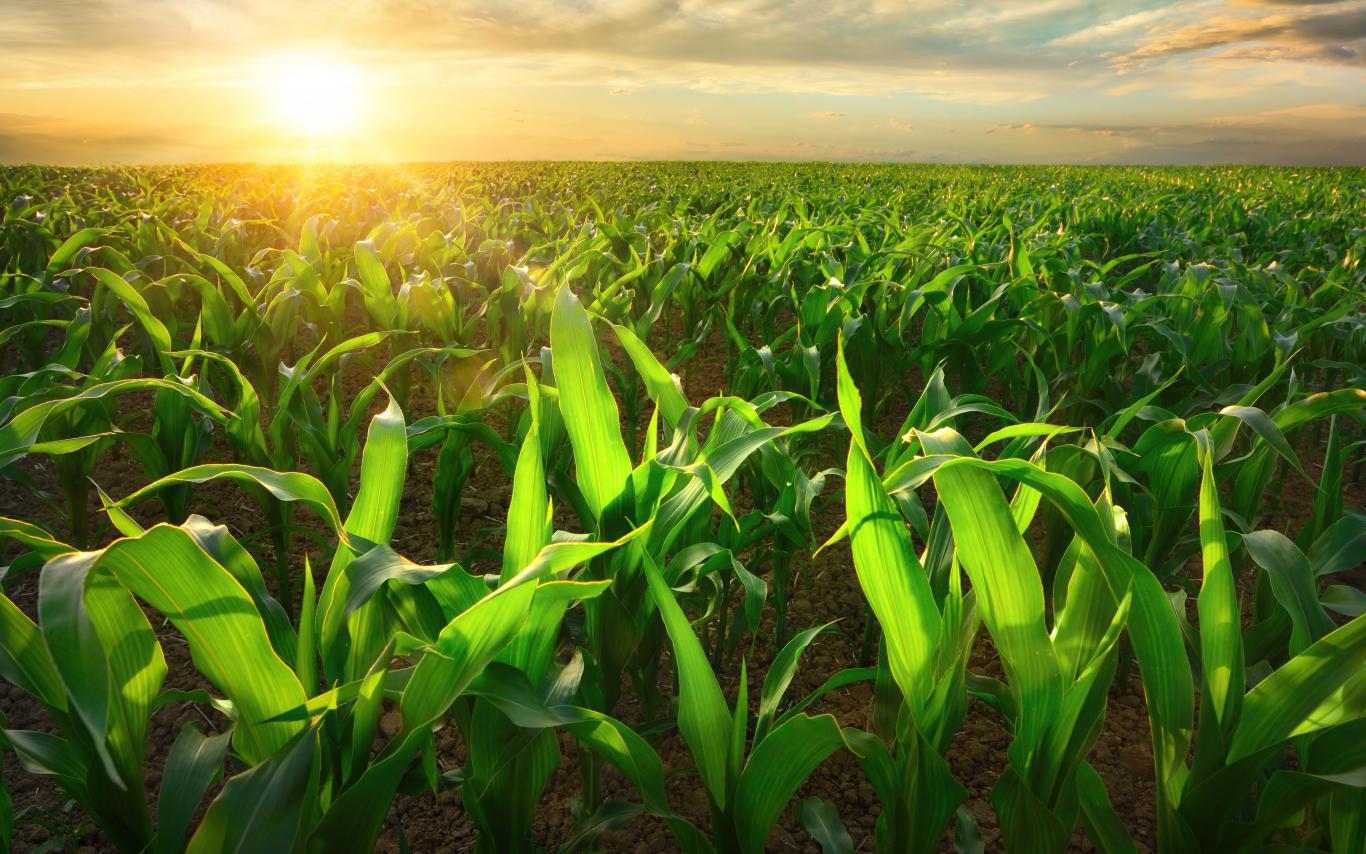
(1325, 33)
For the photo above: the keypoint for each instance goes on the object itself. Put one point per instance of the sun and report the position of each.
(316, 98)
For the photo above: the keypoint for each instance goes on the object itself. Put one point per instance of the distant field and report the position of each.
(702, 507)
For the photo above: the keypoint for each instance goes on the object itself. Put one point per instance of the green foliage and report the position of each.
(563, 439)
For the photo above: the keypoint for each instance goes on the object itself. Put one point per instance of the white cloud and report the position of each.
(1106, 31)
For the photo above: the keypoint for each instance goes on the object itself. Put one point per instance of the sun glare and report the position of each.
(316, 98)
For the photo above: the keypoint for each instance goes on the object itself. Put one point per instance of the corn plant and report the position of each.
(1243, 733)
(748, 781)
(671, 489)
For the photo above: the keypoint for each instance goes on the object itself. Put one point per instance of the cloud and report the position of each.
(875, 37)
(1304, 32)
(1114, 27)
(944, 49)
(1265, 3)
(699, 70)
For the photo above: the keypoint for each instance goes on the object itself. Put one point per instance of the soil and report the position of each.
(826, 590)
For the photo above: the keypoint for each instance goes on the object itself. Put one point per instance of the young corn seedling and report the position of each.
(1307, 703)
(926, 641)
(509, 723)
(748, 782)
(517, 621)
(672, 489)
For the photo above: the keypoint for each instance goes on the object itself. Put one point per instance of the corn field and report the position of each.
(683, 507)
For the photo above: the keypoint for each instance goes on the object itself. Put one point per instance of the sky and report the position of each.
(1038, 81)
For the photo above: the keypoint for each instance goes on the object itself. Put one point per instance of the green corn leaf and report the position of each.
(122, 521)
(229, 553)
(64, 255)
(465, 647)
(1082, 621)
(48, 755)
(195, 760)
(821, 820)
(1340, 547)
(1348, 601)
(703, 719)
(1321, 405)
(621, 745)
(776, 768)
(590, 412)
(780, 673)
(168, 570)
(286, 486)
(1009, 593)
(558, 557)
(1292, 581)
(1026, 821)
(1267, 431)
(739, 730)
(529, 517)
(844, 678)
(306, 653)
(662, 386)
(1153, 625)
(129, 296)
(1030, 429)
(33, 537)
(1103, 826)
(265, 808)
(76, 650)
(533, 650)
(1221, 636)
(368, 573)
(373, 515)
(1282, 800)
(379, 294)
(894, 583)
(21, 431)
(1347, 818)
(1328, 500)
(611, 815)
(25, 660)
(1323, 686)
(365, 713)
